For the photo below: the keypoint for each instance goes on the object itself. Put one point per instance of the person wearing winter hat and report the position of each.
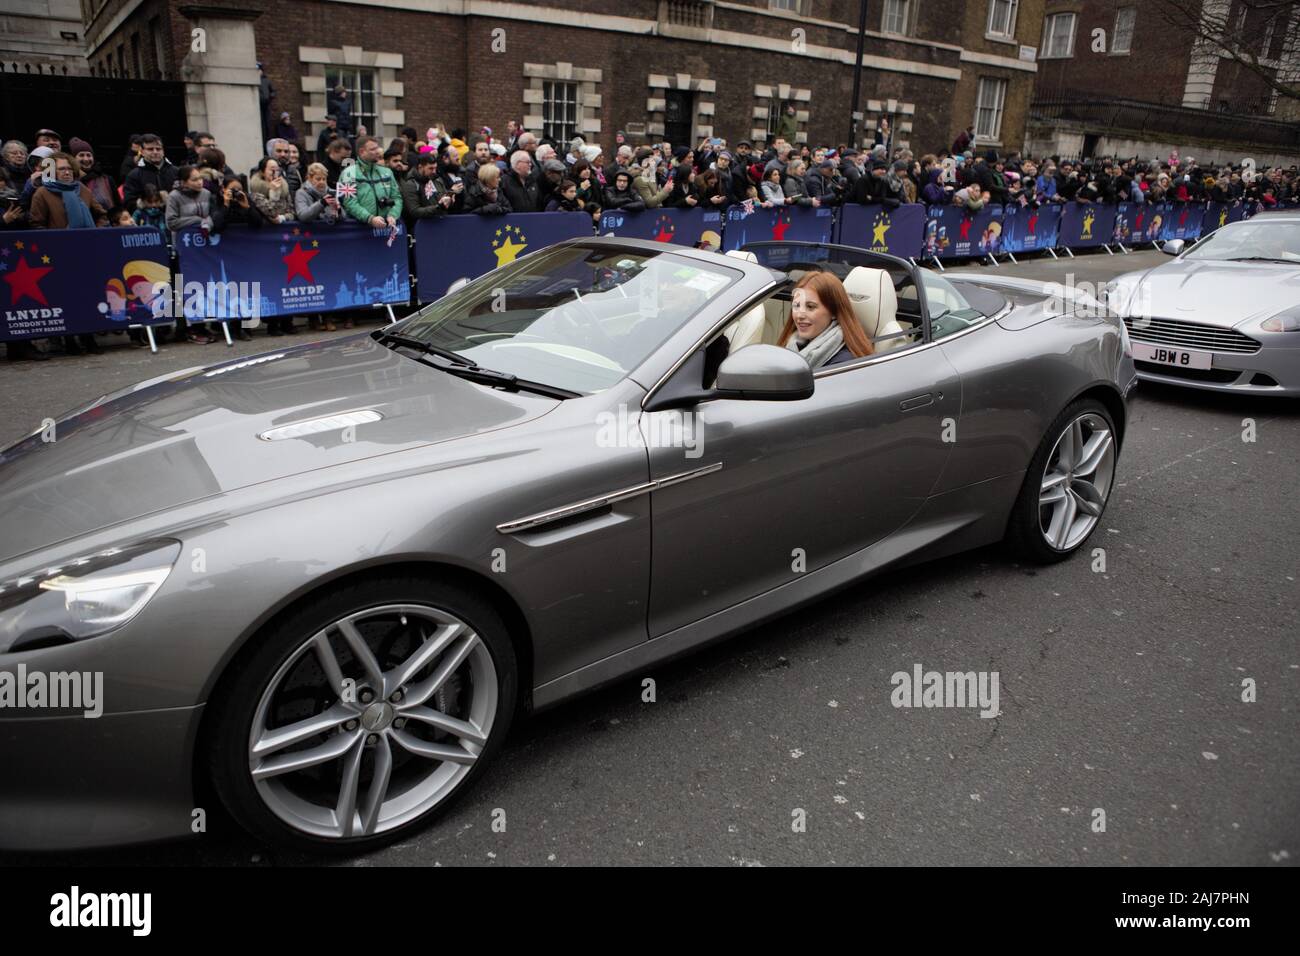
(92, 176)
(49, 139)
(548, 182)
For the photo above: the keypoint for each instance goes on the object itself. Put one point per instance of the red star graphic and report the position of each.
(664, 234)
(779, 227)
(1137, 226)
(23, 282)
(298, 260)
(965, 228)
(1033, 223)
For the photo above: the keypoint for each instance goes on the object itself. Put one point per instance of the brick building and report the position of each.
(1124, 77)
(675, 69)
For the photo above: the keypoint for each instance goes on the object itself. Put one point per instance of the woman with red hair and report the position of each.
(822, 326)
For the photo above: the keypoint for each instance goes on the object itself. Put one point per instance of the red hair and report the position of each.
(830, 292)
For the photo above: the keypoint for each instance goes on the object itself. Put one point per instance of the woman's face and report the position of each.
(63, 171)
(16, 154)
(319, 181)
(293, 153)
(195, 182)
(571, 193)
(811, 317)
(272, 171)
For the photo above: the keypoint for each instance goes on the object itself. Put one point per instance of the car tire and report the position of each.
(389, 615)
(1045, 533)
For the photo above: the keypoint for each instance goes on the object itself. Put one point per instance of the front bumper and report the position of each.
(1237, 373)
(73, 783)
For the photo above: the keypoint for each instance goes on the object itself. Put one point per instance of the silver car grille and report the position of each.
(1189, 335)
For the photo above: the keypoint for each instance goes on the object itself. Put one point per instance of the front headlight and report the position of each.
(1283, 322)
(86, 597)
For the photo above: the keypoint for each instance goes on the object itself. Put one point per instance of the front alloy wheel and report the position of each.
(377, 714)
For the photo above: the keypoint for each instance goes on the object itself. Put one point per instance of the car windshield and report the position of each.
(1251, 241)
(575, 317)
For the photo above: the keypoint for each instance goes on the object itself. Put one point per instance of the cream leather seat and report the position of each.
(749, 328)
(875, 303)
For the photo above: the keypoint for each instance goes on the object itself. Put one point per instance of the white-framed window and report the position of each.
(1125, 20)
(559, 110)
(988, 108)
(1002, 18)
(360, 84)
(1058, 36)
(789, 6)
(898, 17)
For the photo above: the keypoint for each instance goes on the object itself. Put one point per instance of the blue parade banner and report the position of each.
(1122, 230)
(899, 232)
(1026, 229)
(457, 247)
(701, 228)
(290, 269)
(75, 281)
(1219, 214)
(954, 232)
(778, 224)
(1184, 221)
(1087, 225)
(1146, 222)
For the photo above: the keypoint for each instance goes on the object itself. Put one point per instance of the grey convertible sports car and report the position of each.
(320, 583)
(1225, 314)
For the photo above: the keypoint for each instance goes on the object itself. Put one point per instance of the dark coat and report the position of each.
(164, 177)
(522, 196)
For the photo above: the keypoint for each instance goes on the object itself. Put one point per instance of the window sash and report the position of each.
(1125, 20)
(360, 84)
(895, 17)
(1002, 18)
(1058, 35)
(988, 108)
(559, 110)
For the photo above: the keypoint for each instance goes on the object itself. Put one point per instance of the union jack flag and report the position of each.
(346, 190)
(748, 206)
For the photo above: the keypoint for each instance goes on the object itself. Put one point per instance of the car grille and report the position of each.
(1190, 335)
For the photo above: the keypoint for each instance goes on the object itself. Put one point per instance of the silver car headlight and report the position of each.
(85, 597)
(1288, 321)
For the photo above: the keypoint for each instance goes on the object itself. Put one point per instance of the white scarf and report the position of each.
(817, 352)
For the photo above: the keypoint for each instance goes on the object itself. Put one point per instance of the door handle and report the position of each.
(916, 401)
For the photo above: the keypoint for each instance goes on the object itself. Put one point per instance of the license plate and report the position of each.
(1181, 358)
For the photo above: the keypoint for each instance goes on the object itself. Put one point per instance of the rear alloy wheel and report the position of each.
(368, 720)
(1067, 484)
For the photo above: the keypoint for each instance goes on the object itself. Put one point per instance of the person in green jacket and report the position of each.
(368, 190)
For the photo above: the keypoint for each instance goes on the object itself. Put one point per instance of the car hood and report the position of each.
(198, 434)
(1224, 294)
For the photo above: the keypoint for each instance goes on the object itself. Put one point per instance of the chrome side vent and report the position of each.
(315, 426)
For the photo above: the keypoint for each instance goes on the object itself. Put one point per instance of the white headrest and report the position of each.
(741, 254)
(874, 300)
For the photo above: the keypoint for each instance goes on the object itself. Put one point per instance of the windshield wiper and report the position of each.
(504, 380)
(1289, 262)
(406, 341)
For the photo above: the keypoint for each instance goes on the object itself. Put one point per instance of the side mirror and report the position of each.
(765, 373)
(1174, 247)
(457, 285)
(755, 373)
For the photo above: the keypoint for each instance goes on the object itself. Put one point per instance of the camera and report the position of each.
(384, 202)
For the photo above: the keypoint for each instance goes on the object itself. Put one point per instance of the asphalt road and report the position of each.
(1120, 690)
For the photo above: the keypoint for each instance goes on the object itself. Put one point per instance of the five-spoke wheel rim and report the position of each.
(1076, 482)
(373, 721)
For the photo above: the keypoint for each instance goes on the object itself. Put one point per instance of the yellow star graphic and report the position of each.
(878, 232)
(315, 243)
(498, 232)
(45, 259)
(508, 251)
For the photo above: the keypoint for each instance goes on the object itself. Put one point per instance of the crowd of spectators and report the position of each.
(351, 175)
